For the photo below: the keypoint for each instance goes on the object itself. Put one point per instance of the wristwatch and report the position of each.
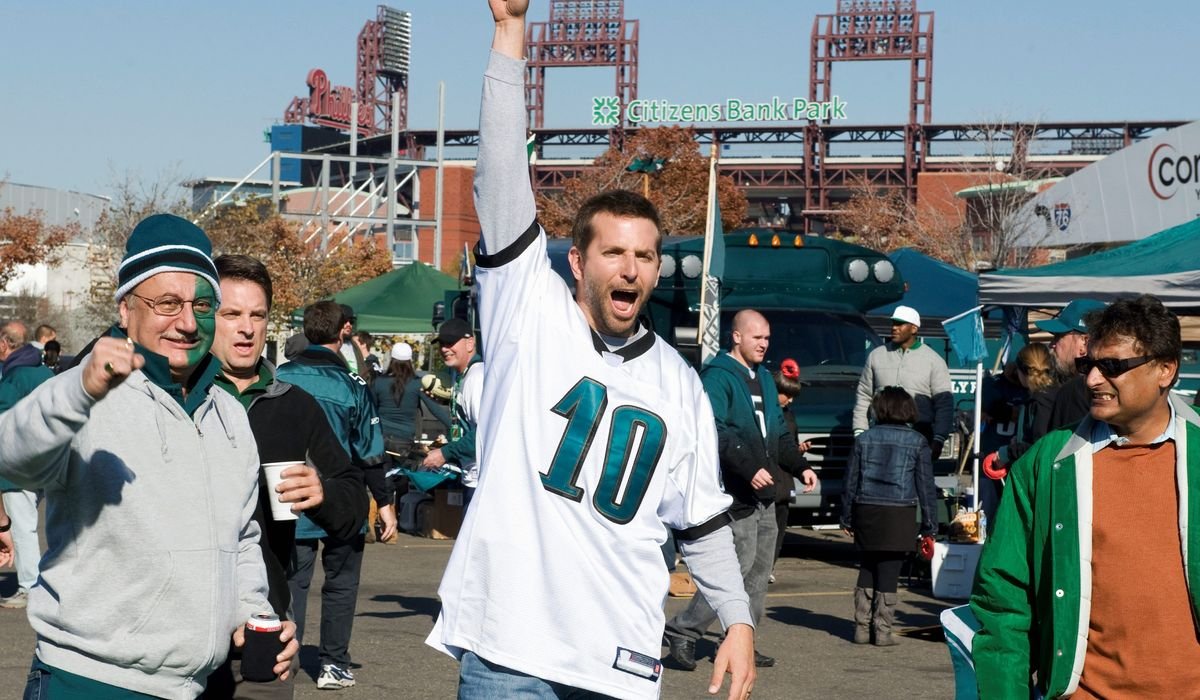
(7, 526)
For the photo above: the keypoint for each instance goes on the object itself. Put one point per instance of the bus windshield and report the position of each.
(826, 345)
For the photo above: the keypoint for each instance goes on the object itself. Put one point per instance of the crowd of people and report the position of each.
(584, 442)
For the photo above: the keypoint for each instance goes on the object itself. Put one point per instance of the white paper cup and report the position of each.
(279, 509)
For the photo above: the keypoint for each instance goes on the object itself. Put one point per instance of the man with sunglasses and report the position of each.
(151, 480)
(1085, 579)
(1069, 342)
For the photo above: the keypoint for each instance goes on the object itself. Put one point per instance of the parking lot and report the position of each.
(807, 630)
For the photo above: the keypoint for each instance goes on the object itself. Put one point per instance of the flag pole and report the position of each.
(708, 328)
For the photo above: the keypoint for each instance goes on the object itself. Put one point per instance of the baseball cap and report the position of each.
(1070, 319)
(402, 352)
(453, 331)
(907, 314)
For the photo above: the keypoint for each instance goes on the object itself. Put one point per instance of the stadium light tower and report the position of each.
(875, 30)
(585, 33)
(381, 69)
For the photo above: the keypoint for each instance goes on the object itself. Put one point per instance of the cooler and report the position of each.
(953, 569)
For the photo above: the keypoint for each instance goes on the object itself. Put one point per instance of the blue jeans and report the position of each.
(479, 679)
(22, 508)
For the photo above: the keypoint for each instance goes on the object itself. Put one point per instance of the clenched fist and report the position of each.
(109, 363)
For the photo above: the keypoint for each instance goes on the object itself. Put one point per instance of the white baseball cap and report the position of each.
(907, 314)
(402, 351)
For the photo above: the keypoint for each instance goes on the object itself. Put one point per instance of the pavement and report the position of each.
(807, 629)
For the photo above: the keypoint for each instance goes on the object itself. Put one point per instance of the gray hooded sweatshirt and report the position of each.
(153, 556)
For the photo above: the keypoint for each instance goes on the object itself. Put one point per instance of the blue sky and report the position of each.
(97, 90)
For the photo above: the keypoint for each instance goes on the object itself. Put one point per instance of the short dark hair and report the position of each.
(621, 203)
(894, 406)
(323, 322)
(365, 338)
(1153, 327)
(246, 268)
(786, 385)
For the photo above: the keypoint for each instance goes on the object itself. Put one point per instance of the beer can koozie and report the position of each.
(262, 646)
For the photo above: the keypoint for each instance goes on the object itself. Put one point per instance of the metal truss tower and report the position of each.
(586, 33)
(381, 69)
(383, 57)
(868, 30)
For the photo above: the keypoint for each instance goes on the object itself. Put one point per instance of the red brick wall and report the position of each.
(459, 223)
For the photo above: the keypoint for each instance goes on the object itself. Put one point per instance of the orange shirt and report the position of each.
(1141, 636)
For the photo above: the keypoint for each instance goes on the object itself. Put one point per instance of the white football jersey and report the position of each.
(584, 455)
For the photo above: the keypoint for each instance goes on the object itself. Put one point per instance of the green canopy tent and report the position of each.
(1166, 265)
(400, 301)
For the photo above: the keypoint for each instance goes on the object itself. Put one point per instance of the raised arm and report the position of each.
(503, 195)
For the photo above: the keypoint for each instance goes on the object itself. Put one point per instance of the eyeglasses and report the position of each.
(171, 306)
(1110, 366)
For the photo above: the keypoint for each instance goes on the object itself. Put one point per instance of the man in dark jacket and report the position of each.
(1071, 401)
(289, 426)
(322, 372)
(752, 438)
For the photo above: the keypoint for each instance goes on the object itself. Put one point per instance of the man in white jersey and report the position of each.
(595, 437)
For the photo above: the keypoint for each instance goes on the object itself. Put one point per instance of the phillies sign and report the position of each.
(329, 105)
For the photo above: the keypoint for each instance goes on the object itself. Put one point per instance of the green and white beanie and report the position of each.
(166, 243)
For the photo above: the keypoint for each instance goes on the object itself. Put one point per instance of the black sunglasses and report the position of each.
(1110, 366)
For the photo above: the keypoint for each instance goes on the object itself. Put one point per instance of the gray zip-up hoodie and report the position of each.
(153, 556)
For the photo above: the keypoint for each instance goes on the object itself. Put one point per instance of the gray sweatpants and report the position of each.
(754, 542)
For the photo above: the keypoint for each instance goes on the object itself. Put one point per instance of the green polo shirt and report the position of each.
(253, 391)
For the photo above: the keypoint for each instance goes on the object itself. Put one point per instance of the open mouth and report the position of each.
(623, 301)
(1101, 397)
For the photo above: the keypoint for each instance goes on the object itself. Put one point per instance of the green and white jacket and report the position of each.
(1033, 588)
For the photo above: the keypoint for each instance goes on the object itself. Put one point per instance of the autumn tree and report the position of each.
(301, 272)
(26, 239)
(679, 190)
(985, 224)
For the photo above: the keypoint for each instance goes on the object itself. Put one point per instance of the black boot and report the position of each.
(682, 651)
(762, 660)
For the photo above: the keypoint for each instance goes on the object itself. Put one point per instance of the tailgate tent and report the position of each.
(1166, 265)
(935, 289)
(400, 301)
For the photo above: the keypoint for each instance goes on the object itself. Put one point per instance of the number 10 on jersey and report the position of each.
(634, 444)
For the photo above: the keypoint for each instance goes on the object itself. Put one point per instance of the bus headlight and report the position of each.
(858, 270)
(667, 269)
(692, 266)
(884, 270)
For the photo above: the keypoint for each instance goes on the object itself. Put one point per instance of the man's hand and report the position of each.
(283, 661)
(109, 363)
(301, 485)
(503, 10)
(388, 515)
(762, 478)
(804, 446)
(809, 478)
(736, 656)
(6, 548)
(510, 27)
(434, 460)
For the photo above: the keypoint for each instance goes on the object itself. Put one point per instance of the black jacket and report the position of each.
(289, 425)
(1072, 403)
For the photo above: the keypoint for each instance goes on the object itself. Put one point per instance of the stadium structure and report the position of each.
(794, 172)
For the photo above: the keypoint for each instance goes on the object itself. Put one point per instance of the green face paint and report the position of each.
(206, 324)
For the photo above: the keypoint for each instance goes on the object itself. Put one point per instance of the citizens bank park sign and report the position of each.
(1136, 192)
